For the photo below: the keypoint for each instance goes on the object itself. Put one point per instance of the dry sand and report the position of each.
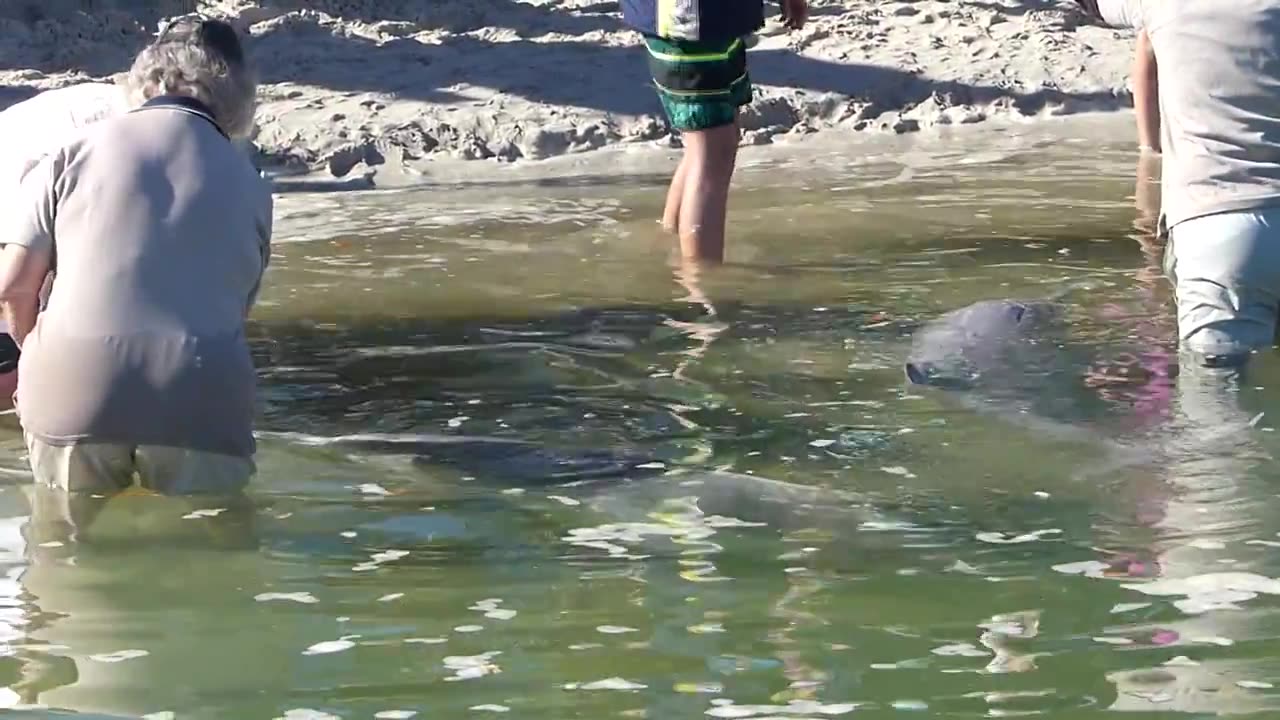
(385, 90)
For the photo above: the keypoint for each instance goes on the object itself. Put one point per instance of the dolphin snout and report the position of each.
(918, 373)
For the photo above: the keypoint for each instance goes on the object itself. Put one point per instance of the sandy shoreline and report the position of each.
(381, 91)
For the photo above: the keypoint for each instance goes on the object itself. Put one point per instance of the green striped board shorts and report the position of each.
(701, 84)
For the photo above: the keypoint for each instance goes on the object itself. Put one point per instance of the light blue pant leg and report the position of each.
(1225, 269)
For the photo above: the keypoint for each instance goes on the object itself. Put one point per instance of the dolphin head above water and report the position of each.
(984, 341)
(1020, 361)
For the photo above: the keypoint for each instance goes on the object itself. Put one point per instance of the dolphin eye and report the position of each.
(916, 374)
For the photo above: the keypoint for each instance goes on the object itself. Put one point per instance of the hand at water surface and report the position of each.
(1146, 200)
(1125, 369)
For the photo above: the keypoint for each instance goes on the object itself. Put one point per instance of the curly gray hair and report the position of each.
(201, 59)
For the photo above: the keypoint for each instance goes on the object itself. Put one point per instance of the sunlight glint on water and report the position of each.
(898, 554)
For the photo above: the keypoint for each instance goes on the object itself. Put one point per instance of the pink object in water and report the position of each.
(1112, 311)
(1156, 396)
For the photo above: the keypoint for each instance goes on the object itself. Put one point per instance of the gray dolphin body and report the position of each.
(1012, 358)
(1003, 351)
(980, 344)
(493, 460)
(627, 486)
(1016, 359)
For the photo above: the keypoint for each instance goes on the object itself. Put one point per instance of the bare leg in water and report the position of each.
(703, 332)
(671, 211)
(698, 199)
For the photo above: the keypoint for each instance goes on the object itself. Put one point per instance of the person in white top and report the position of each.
(30, 130)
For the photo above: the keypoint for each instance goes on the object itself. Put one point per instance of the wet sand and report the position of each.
(387, 92)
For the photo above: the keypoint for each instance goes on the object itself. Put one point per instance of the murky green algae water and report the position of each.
(969, 565)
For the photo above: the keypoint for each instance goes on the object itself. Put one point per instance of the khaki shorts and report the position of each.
(1225, 269)
(109, 468)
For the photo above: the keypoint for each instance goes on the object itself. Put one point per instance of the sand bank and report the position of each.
(383, 90)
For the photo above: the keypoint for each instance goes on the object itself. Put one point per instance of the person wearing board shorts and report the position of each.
(697, 52)
(32, 129)
(701, 84)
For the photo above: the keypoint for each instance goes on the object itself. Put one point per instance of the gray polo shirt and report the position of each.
(160, 232)
(1219, 66)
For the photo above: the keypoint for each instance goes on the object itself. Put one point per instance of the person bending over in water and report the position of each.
(33, 129)
(698, 59)
(159, 228)
(1219, 102)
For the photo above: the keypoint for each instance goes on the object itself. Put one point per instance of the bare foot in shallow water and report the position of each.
(705, 332)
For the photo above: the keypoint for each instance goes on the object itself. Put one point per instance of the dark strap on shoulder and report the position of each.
(182, 103)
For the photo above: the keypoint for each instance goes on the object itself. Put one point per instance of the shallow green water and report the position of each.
(957, 574)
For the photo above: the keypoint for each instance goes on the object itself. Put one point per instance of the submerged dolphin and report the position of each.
(985, 343)
(517, 463)
(1016, 359)
(1012, 357)
(997, 344)
(625, 485)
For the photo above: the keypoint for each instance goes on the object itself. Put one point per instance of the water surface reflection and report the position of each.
(870, 550)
